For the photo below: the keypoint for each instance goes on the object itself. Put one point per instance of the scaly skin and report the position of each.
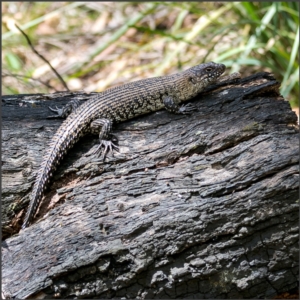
(116, 105)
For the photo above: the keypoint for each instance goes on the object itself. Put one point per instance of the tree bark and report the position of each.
(199, 206)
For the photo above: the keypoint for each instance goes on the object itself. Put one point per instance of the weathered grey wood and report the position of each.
(200, 206)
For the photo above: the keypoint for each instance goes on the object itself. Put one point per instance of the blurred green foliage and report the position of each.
(97, 44)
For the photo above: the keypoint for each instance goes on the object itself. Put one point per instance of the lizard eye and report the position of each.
(209, 69)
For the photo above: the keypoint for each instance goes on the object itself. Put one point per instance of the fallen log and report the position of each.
(199, 206)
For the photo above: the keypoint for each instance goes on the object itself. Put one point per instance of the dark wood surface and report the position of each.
(199, 206)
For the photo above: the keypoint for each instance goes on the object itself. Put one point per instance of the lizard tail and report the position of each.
(60, 143)
(42, 179)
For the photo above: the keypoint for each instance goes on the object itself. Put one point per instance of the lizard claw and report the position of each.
(109, 147)
(66, 110)
(187, 109)
(59, 111)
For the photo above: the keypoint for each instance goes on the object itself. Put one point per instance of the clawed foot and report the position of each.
(66, 110)
(106, 147)
(59, 111)
(187, 109)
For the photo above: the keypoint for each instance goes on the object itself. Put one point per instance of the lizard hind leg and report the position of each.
(67, 109)
(108, 141)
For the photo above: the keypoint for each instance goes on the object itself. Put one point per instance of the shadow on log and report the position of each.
(200, 206)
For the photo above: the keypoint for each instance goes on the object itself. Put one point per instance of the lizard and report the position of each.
(118, 104)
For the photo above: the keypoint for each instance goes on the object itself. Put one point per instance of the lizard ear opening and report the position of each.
(192, 80)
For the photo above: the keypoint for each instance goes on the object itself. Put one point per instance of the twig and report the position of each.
(43, 58)
(34, 79)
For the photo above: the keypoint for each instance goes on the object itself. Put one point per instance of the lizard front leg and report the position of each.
(108, 141)
(173, 107)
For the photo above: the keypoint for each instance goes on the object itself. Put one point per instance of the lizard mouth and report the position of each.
(232, 76)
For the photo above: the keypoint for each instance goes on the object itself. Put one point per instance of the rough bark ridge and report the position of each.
(200, 206)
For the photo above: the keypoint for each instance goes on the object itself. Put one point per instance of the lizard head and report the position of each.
(191, 82)
(205, 74)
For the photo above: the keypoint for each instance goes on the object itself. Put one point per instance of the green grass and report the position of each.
(94, 45)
